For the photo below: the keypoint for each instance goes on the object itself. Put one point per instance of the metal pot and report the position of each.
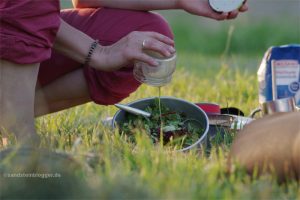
(225, 123)
(275, 106)
(177, 105)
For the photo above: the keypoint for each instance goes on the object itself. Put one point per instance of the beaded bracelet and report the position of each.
(90, 53)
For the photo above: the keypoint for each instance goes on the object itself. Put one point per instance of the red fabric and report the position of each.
(108, 26)
(28, 29)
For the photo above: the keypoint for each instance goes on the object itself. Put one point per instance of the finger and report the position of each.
(219, 16)
(244, 7)
(146, 59)
(233, 14)
(216, 15)
(161, 37)
(156, 45)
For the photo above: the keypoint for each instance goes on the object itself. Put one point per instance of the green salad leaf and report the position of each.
(177, 131)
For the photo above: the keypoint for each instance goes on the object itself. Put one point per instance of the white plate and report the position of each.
(225, 5)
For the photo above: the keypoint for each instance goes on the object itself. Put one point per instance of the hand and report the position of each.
(131, 48)
(202, 8)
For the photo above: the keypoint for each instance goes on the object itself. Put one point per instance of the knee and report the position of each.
(156, 23)
(296, 156)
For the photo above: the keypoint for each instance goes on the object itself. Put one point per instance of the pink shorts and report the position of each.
(108, 26)
(28, 29)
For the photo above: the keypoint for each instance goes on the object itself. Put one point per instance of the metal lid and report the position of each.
(225, 5)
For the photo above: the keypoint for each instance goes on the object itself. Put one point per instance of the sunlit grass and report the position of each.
(115, 169)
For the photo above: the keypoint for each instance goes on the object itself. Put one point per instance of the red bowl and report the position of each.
(210, 108)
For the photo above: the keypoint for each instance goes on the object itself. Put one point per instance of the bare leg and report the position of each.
(65, 92)
(270, 144)
(17, 91)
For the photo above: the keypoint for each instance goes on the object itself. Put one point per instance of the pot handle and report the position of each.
(254, 112)
(257, 110)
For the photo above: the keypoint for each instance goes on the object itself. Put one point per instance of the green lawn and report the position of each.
(207, 71)
(123, 171)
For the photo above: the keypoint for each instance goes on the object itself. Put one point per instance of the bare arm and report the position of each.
(128, 4)
(72, 42)
(76, 44)
(195, 7)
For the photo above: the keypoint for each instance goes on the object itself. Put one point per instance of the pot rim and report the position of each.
(205, 132)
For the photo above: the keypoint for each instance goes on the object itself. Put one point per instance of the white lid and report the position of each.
(225, 5)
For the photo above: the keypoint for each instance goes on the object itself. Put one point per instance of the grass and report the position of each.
(246, 37)
(120, 171)
(207, 72)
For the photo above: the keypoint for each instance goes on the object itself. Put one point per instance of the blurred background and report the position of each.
(267, 23)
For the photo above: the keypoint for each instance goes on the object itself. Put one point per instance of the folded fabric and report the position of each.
(28, 29)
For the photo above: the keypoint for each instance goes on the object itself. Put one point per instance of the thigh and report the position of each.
(108, 26)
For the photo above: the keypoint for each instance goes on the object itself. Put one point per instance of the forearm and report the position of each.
(72, 42)
(129, 4)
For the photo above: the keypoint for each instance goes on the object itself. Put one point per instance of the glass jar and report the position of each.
(155, 76)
